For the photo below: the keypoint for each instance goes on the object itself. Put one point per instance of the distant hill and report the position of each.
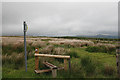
(100, 36)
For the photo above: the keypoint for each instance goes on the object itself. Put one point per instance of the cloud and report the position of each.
(61, 18)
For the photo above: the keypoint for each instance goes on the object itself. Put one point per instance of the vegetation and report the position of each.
(104, 49)
(45, 39)
(108, 70)
(88, 61)
(88, 65)
(73, 54)
(86, 38)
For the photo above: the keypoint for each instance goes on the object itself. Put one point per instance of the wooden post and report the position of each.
(118, 64)
(69, 66)
(36, 59)
(65, 64)
(54, 73)
(118, 59)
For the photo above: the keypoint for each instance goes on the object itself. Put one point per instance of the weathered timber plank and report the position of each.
(50, 65)
(54, 56)
(42, 71)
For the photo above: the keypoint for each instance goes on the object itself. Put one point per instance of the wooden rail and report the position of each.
(53, 56)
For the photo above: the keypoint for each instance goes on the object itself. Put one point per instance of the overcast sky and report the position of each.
(60, 18)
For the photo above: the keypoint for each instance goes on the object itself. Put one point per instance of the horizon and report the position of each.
(77, 36)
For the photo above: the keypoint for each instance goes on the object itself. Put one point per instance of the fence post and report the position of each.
(54, 73)
(36, 59)
(69, 65)
(65, 64)
(118, 59)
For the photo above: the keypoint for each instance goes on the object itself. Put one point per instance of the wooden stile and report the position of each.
(52, 67)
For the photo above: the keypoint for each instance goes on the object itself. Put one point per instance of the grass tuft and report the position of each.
(108, 70)
(88, 64)
(73, 54)
(103, 49)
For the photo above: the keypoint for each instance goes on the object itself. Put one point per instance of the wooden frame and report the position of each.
(52, 67)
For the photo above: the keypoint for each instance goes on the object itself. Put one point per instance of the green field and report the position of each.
(84, 64)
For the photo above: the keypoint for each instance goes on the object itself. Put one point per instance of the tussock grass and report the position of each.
(72, 43)
(38, 44)
(83, 63)
(60, 51)
(88, 65)
(18, 47)
(50, 49)
(102, 48)
(10, 48)
(15, 59)
(47, 50)
(45, 39)
(73, 54)
(108, 70)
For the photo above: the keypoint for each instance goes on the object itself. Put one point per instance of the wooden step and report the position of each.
(51, 66)
(47, 70)
(42, 71)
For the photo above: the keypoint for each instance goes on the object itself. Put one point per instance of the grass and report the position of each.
(12, 73)
(45, 39)
(73, 54)
(78, 66)
(102, 57)
(88, 65)
(108, 70)
(14, 60)
(98, 59)
(104, 49)
(84, 64)
(9, 49)
(86, 38)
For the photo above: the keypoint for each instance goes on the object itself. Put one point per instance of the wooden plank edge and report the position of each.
(54, 56)
(42, 71)
(50, 65)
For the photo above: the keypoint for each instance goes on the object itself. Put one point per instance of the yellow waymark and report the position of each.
(27, 27)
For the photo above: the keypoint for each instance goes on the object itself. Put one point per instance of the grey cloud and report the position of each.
(50, 18)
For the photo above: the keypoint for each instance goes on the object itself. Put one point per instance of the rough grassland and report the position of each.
(102, 58)
(84, 64)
